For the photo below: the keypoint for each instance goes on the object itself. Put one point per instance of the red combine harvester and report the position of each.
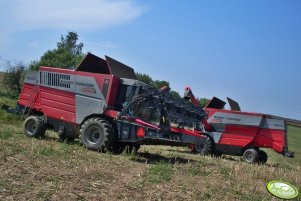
(242, 133)
(103, 104)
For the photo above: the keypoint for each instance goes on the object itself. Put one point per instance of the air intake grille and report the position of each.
(55, 80)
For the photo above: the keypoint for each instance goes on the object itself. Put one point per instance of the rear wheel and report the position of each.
(251, 155)
(263, 157)
(98, 134)
(34, 126)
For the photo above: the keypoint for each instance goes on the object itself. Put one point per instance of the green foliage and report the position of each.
(161, 83)
(148, 80)
(14, 76)
(47, 151)
(160, 172)
(145, 78)
(175, 94)
(68, 54)
(203, 101)
(5, 134)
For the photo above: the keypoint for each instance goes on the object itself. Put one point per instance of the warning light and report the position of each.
(140, 132)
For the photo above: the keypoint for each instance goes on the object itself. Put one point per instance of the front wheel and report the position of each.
(201, 147)
(98, 134)
(34, 126)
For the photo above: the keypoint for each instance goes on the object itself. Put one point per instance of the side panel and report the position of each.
(86, 106)
(238, 135)
(272, 134)
(58, 104)
(57, 98)
(236, 128)
(224, 118)
(107, 85)
(113, 91)
(27, 94)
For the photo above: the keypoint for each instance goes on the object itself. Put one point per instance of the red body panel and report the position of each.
(270, 138)
(27, 94)
(53, 103)
(58, 104)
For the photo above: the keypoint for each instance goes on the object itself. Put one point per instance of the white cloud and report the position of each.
(20, 19)
(26, 15)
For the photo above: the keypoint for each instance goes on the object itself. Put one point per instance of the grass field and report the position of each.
(33, 169)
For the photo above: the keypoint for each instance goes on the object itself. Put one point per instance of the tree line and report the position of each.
(67, 54)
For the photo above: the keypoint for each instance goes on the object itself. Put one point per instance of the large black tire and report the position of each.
(211, 145)
(202, 146)
(251, 156)
(34, 126)
(263, 157)
(98, 134)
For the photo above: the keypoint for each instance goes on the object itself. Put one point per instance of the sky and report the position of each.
(247, 50)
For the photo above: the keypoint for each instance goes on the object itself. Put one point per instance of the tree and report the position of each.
(145, 78)
(68, 54)
(148, 80)
(14, 76)
(156, 83)
(161, 83)
(175, 94)
(203, 101)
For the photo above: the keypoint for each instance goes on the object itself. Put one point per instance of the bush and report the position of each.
(14, 76)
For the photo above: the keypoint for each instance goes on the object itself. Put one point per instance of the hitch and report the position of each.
(288, 153)
(19, 109)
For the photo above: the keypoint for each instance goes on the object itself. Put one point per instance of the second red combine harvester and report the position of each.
(241, 133)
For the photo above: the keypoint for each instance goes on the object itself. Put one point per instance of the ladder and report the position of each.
(31, 101)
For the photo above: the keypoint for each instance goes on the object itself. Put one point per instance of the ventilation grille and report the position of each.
(55, 80)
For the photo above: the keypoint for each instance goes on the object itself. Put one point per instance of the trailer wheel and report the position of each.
(263, 157)
(202, 146)
(251, 156)
(34, 126)
(97, 134)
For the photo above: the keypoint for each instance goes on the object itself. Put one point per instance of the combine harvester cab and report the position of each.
(242, 133)
(97, 102)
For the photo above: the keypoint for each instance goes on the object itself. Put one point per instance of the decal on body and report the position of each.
(234, 119)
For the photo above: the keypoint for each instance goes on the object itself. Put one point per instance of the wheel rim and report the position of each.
(94, 135)
(31, 127)
(249, 157)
